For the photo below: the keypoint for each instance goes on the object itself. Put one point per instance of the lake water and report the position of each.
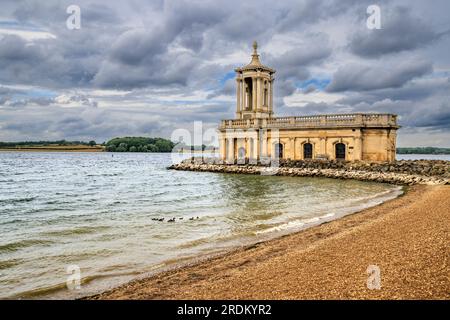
(423, 157)
(97, 211)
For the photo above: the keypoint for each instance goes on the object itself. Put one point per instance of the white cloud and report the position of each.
(28, 35)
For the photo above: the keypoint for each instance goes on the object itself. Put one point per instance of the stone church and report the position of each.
(255, 135)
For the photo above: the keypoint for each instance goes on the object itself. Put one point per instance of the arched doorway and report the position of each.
(307, 151)
(278, 151)
(340, 151)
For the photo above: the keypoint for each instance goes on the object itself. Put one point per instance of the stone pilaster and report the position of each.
(357, 148)
(292, 151)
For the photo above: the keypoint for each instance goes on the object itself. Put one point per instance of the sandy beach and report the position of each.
(407, 238)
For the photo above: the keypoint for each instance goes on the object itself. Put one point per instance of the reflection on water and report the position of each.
(101, 212)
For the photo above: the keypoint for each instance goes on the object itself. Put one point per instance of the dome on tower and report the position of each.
(255, 64)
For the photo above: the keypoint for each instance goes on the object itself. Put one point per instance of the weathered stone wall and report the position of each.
(418, 167)
(400, 172)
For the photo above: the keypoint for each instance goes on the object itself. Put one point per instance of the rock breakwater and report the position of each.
(405, 172)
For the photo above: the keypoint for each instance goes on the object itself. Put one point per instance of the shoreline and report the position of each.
(95, 150)
(292, 266)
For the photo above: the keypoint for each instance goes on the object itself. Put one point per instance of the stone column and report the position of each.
(242, 94)
(264, 151)
(238, 97)
(230, 150)
(222, 147)
(258, 92)
(262, 92)
(271, 96)
(255, 154)
(254, 94)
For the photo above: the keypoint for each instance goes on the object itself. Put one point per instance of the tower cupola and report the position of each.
(254, 89)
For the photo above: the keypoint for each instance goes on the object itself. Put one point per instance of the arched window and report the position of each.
(307, 151)
(340, 151)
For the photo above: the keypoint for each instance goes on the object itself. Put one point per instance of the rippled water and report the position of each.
(423, 157)
(97, 211)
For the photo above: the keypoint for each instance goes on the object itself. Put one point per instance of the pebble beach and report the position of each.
(406, 239)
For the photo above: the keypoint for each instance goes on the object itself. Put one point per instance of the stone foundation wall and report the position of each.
(407, 172)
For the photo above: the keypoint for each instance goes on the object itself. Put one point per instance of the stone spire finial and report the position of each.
(255, 55)
(255, 64)
(255, 47)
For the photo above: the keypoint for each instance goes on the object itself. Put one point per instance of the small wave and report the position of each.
(53, 289)
(6, 264)
(289, 225)
(14, 246)
(378, 196)
(110, 236)
(84, 255)
(350, 207)
(74, 231)
(194, 243)
(57, 202)
(105, 174)
(13, 221)
(6, 181)
(17, 200)
(295, 224)
(39, 291)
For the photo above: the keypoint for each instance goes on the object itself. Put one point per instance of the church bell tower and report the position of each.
(254, 89)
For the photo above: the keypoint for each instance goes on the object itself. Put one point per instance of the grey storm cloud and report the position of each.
(358, 77)
(168, 63)
(422, 103)
(401, 30)
(294, 63)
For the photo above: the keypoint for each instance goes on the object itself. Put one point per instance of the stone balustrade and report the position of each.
(316, 121)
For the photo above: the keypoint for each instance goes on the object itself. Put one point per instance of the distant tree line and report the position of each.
(184, 147)
(46, 143)
(139, 144)
(423, 150)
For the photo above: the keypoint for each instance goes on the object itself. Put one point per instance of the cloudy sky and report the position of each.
(150, 67)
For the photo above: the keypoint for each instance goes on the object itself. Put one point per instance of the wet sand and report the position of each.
(408, 238)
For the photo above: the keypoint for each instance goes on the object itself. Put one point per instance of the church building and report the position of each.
(256, 135)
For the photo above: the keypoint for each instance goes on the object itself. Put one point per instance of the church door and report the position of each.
(307, 151)
(340, 151)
